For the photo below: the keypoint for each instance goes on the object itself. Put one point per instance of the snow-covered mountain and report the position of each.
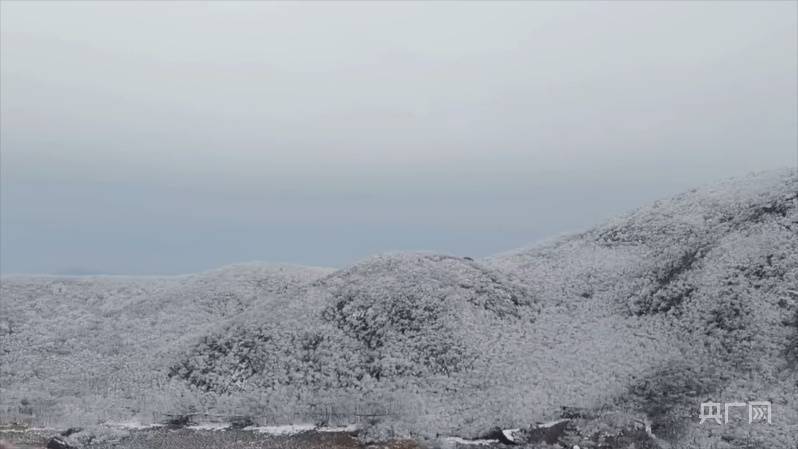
(77, 348)
(690, 299)
(713, 275)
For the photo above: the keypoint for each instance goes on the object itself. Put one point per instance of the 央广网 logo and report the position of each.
(758, 411)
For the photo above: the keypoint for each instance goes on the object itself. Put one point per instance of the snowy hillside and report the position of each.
(641, 319)
(718, 268)
(101, 344)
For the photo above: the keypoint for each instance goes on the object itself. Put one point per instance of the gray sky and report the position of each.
(154, 137)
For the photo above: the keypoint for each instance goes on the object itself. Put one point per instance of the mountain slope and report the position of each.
(398, 328)
(718, 268)
(101, 345)
(651, 313)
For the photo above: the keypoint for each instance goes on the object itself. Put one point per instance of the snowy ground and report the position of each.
(282, 437)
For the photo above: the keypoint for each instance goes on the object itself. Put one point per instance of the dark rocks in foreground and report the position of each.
(71, 431)
(548, 433)
(59, 443)
(593, 432)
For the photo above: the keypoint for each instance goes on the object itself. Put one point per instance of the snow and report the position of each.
(551, 423)
(459, 440)
(510, 434)
(350, 428)
(131, 425)
(279, 430)
(210, 426)
(283, 430)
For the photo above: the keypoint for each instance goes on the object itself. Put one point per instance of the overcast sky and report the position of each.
(154, 137)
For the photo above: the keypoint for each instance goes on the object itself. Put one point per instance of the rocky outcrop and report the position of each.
(60, 443)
